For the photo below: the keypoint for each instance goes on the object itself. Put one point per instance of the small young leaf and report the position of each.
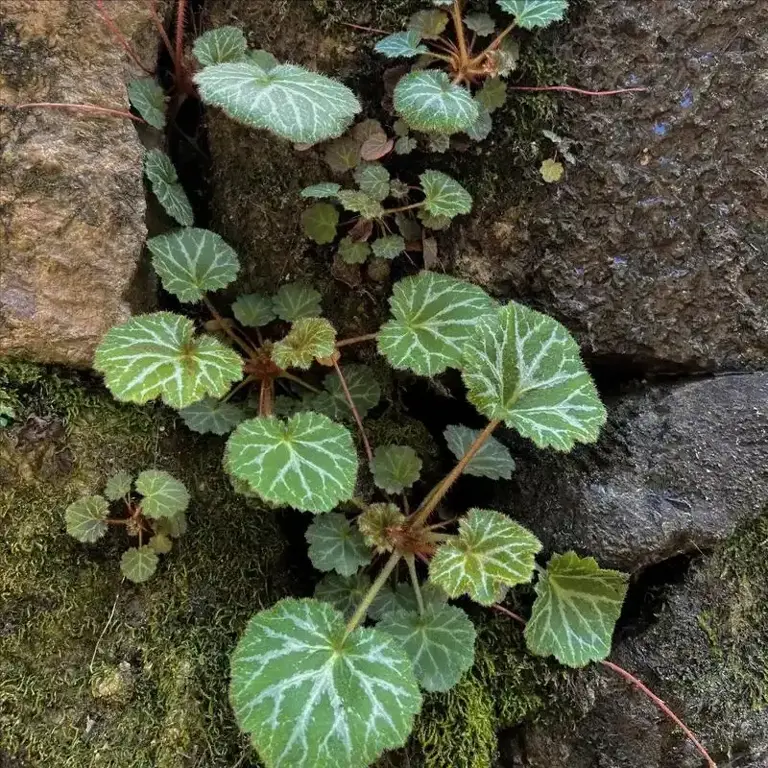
(482, 127)
(433, 315)
(293, 301)
(219, 46)
(253, 310)
(428, 24)
(353, 252)
(480, 23)
(440, 643)
(405, 145)
(335, 545)
(138, 565)
(506, 57)
(524, 367)
(399, 189)
(324, 189)
(363, 388)
(174, 527)
(359, 202)
(164, 495)
(429, 102)
(490, 549)
(376, 147)
(534, 13)
(311, 697)
(439, 143)
(343, 154)
(85, 518)
(375, 523)
(395, 467)
(493, 94)
(444, 195)
(492, 460)
(373, 179)
(148, 98)
(192, 261)
(364, 130)
(309, 338)
(118, 486)
(308, 462)
(401, 45)
(159, 355)
(263, 59)
(292, 102)
(161, 543)
(576, 609)
(388, 247)
(344, 593)
(401, 128)
(212, 416)
(319, 223)
(161, 174)
(551, 171)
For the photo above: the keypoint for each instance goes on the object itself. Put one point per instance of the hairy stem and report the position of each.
(300, 382)
(366, 29)
(224, 325)
(409, 559)
(356, 340)
(571, 89)
(113, 28)
(493, 45)
(458, 25)
(438, 492)
(80, 108)
(413, 206)
(629, 677)
(181, 13)
(232, 392)
(161, 31)
(266, 398)
(355, 412)
(370, 595)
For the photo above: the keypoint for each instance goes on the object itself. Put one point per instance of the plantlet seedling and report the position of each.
(154, 508)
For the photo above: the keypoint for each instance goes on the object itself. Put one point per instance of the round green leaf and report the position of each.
(148, 98)
(480, 23)
(492, 460)
(319, 223)
(395, 467)
(401, 45)
(294, 301)
(324, 189)
(429, 102)
(262, 58)
(353, 251)
(493, 94)
(138, 565)
(388, 247)
(405, 145)
(159, 355)
(444, 195)
(161, 174)
(253, 310)
(219, 46)
(292, 102)
(212, 416)
(490, 549)
(310, 698)
(359, 202)
(161, 543)
(164, 495)
(373, 179)
(433, 315)
(363, 388)
(118, 485)
(429, 24)
(576, 609)
(524, 367)
(440, 643)
(85, 518)
(308, 462)
(309, 338)
(191, 261)
(335, 545)
(534, 13)
(344, 593)
(403, 598)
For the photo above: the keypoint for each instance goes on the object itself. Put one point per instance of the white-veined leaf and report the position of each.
(118, 485)
(482, 126)
(480, 23)
(308, 462)
(360, 202)
(363, 388)
(440, 643)
(319, 223)
(444, 196)
(161, 174)
(395, 467)
(311, 698)
(429, 24)
(353, 251)
(524, 368)
(139, 564)
(164, 495)
(489, 550)
(344, 593)
(576, 609)
(388, 247)
(373, 179)
(148, 98)
(336, 545)
(212, 416)
(376, 523)
(492, 460)
(85, 518)
(429, 102)
(309, 338)
(192, 261)
(296, 300)
(433, 315)
(436, 223)
(534, 13)
(403, 598)
(324, 189)
(401, 45)
(159, 355)
(301, 106)
(253, 310)
(220, 46)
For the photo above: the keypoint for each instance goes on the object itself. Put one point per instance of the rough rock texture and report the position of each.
(654, 249)
(677, 468)
(71, 198)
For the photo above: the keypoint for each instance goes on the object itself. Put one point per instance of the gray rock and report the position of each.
(676, 469)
